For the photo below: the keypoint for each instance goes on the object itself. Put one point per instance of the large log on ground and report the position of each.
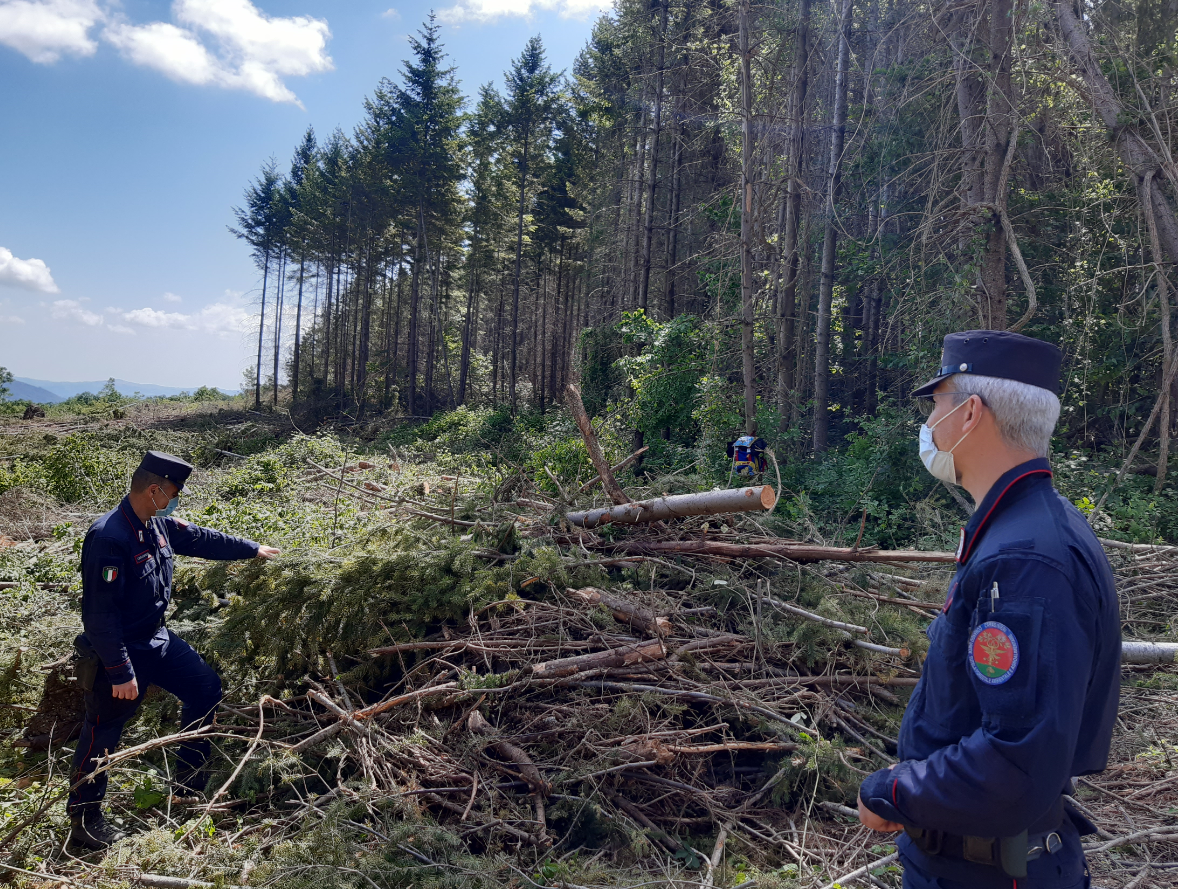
(1133, 652)
(754, 499)
(797, 552)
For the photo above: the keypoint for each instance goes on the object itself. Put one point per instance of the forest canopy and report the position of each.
(732, 216)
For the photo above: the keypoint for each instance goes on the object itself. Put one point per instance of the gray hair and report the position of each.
(1026, 414)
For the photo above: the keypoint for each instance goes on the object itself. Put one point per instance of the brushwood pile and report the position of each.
(443, 682)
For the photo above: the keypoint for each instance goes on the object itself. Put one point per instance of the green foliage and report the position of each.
(406, 583)
(80, 469)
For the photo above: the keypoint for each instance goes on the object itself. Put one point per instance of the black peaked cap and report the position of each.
(998, 353)
(166, 466)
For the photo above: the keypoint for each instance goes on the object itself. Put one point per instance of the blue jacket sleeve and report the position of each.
(1029, 662)
(104, 576)
(204, 543)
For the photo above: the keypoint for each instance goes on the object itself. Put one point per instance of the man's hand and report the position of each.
(127, 691)
(267, 552)
(870, 819)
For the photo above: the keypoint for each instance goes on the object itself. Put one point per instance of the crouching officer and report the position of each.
(126, 587)
(1020, 686)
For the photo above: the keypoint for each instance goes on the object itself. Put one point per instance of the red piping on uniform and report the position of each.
(986, 518)
(129, 522)
(895, 783)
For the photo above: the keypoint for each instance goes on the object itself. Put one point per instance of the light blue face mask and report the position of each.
(169, 509)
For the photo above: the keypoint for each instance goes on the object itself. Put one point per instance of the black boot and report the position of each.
(89, 829)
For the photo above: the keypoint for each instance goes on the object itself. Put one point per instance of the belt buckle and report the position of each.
(1052, 843)
(979, 850)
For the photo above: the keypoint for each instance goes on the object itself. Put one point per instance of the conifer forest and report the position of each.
(531, 627)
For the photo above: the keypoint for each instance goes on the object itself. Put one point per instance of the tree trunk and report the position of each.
(471, 316)
(1138, 156)
(656, 131)
(826, 284)
(997, 135)
(261, 328)
(721, 502)
(519, 255)
(298, 332)
(278, 318)
(673, 224)
(791, 256)
(748, 364)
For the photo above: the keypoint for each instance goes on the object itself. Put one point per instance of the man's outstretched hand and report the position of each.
(870, 819)
(267, 552)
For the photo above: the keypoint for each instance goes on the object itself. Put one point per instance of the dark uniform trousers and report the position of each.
(175, 667)
(126, 590)
(1018, 694)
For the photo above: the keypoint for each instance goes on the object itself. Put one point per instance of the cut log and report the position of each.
(1134, 652)
(638, 653)
(625, 612)
(796, 552)
(577, 409)
(755, 499)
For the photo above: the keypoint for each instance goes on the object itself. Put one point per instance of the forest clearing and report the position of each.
(485, 658)
(443, 682)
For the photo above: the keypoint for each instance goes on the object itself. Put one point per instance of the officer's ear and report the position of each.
(973, 411)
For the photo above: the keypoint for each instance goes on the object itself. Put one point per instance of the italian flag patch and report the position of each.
(109, 574)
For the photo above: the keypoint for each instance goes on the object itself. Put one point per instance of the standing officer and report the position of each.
(1019, 689)
(126, 588)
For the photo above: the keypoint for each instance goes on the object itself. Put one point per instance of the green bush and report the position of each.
(81, 468)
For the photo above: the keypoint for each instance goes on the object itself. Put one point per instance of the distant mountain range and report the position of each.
(51, 392)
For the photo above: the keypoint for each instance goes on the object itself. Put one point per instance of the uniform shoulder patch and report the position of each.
(993, 651)
(109, 574)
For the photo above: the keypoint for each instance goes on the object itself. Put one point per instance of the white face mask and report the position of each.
(939, 463)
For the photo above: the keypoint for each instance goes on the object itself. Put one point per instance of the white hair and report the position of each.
(1026, 414)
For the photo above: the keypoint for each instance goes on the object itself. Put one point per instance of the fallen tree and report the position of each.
(732, 500)
(795, 552)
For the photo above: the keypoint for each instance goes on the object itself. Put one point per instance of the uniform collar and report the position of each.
(996, 500)
(139, 529)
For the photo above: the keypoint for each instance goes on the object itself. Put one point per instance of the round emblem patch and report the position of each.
(993, 652)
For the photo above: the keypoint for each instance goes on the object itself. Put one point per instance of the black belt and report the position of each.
(1010, 854)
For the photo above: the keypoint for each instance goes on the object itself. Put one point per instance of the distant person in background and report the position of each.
(125, 648)
(1020, 686)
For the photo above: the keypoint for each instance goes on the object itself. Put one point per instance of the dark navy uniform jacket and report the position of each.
(127, 579)
(1017, 694)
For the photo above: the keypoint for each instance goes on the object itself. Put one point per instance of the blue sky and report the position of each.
(130, 130)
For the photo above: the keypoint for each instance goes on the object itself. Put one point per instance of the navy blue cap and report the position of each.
(166, 466)
(998, 353)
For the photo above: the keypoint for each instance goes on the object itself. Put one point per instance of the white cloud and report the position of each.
(45, 30)
(230, 44)
(490, 10)
(28, 274)
(218, 318)
(392, 13)
(72, 310)
(11, 319)
(120, 328)
(173, 298)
